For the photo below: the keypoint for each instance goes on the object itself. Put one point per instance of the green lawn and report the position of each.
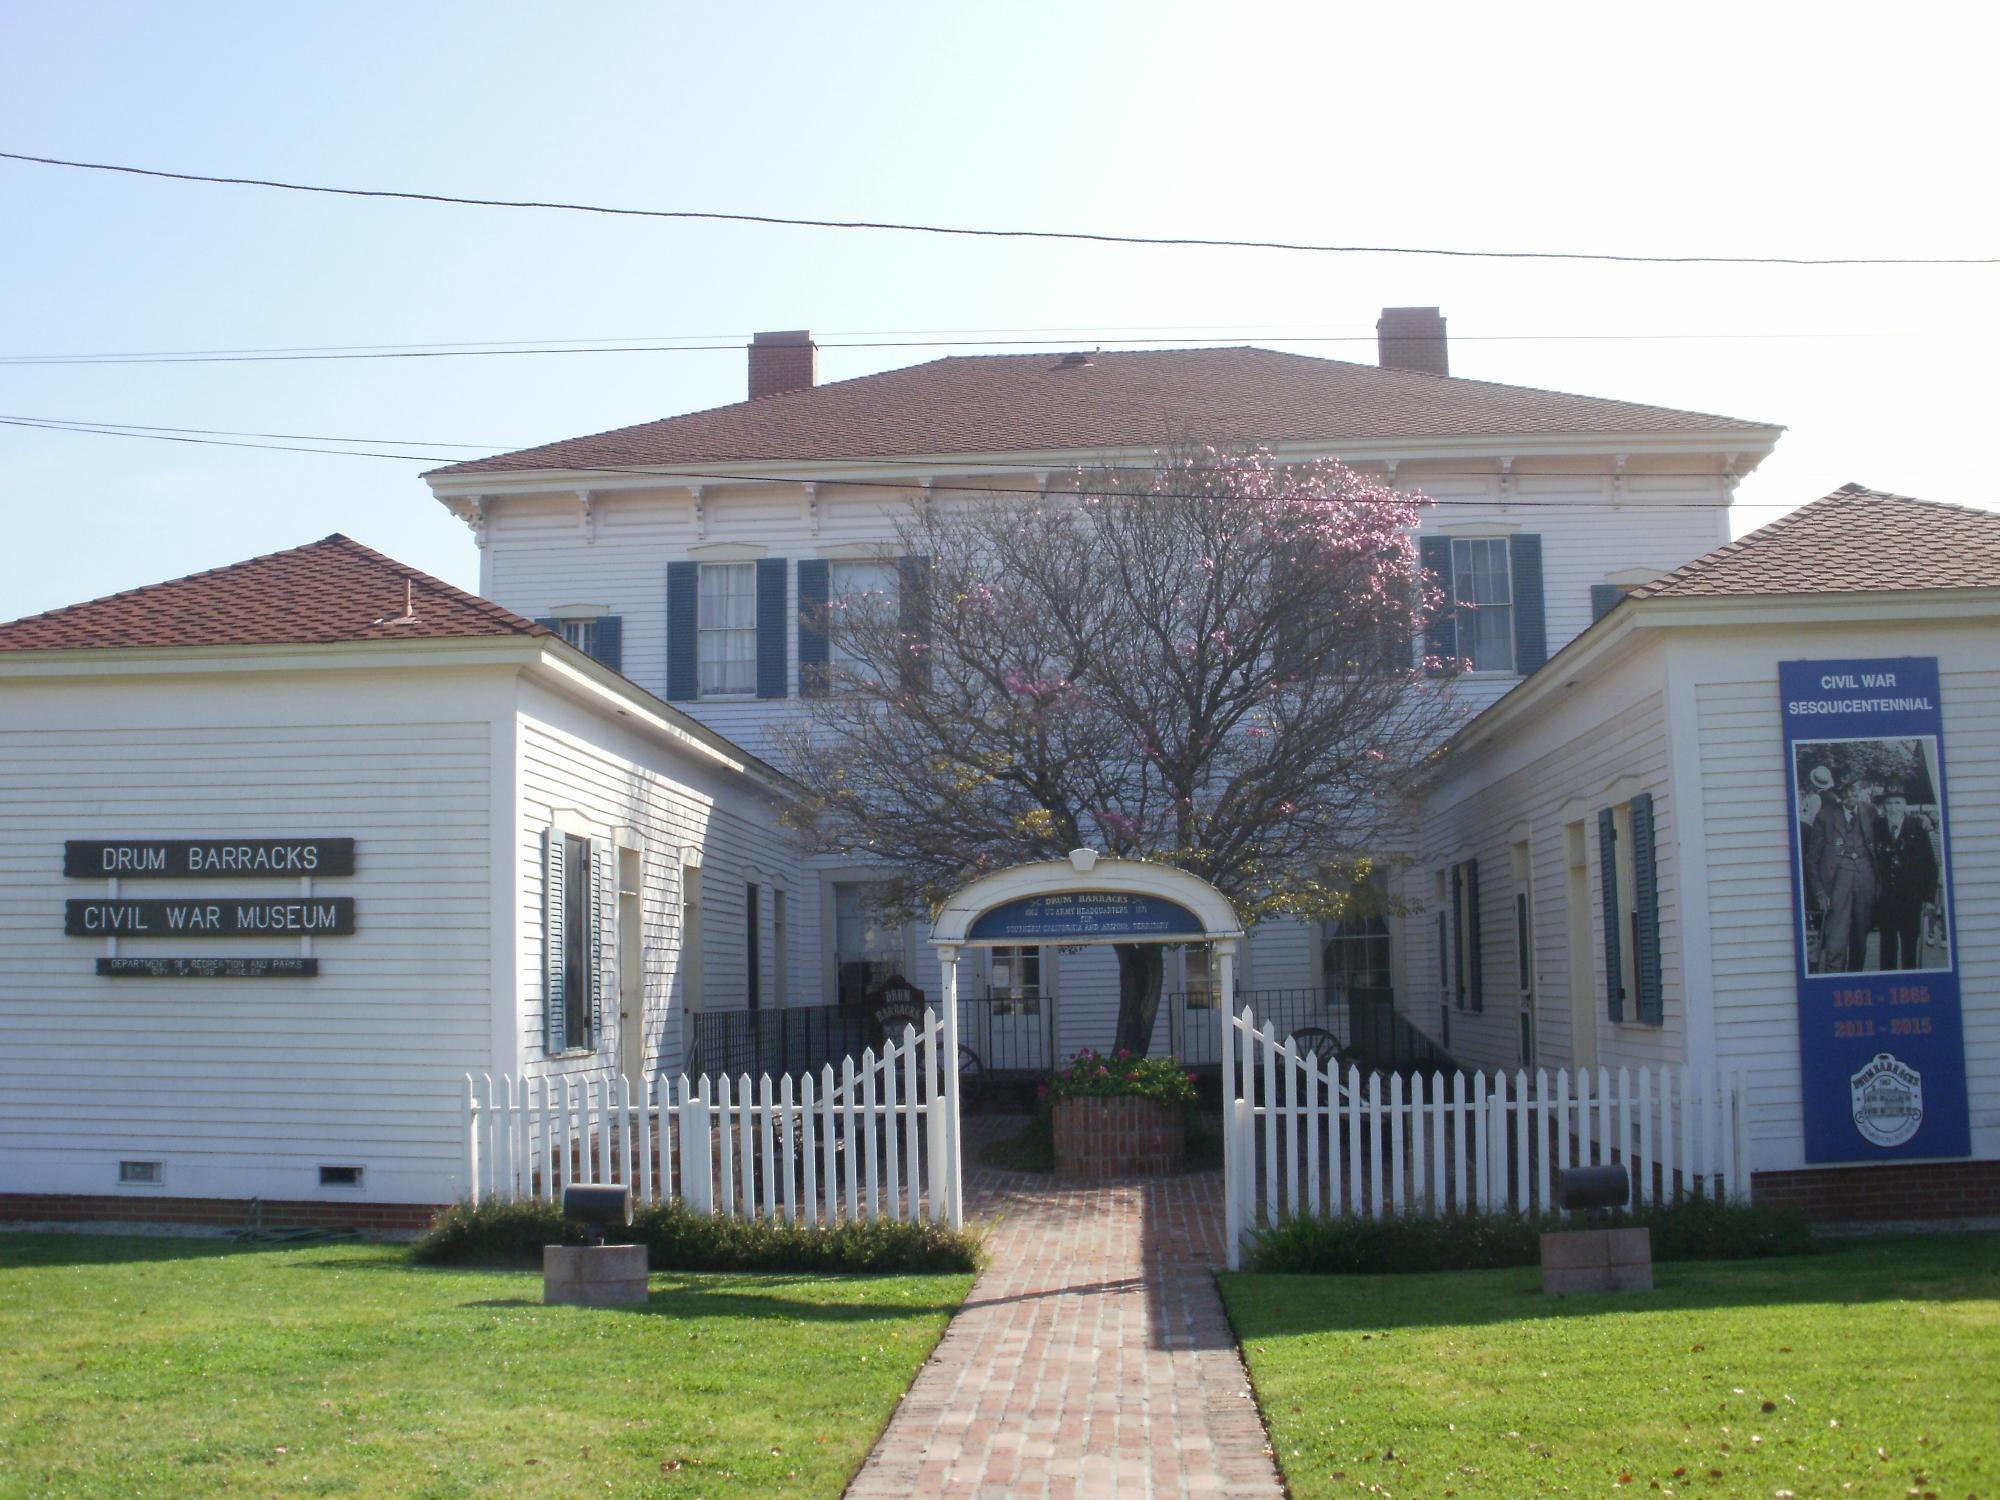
(1871, 1369)
(182, 1367)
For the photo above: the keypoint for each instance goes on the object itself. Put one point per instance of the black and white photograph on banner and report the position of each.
(1871, 852)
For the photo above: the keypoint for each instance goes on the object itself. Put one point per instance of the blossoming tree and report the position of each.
(1209, 662)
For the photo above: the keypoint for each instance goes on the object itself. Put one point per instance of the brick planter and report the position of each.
(1124, 1137)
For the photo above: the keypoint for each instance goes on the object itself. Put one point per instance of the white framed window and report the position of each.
(1016, 981)
(869, 587)
(726, 629)
(1483, 591)
(581, 634)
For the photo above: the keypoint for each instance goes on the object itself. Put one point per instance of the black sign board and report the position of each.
(208, 968)
(236, 916)
(221, 858)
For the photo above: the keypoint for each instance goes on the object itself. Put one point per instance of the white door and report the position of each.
(1582, 967)
(1014, 1030)
(631, 975)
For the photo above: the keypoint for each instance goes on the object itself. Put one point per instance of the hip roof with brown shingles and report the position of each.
(1855, 540)
(1048, 403)
(327, 591)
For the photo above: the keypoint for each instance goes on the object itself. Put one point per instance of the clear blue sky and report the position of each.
(1700, 129)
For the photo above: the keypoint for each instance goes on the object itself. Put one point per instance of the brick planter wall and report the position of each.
(1117, 1138)
(1928, 1190)
(217, 1213)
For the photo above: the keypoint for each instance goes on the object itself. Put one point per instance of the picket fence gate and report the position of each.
(1303, 1140)
(874, 1141)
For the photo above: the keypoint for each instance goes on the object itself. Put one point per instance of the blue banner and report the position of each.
(1881, 1037)
(1086, 917)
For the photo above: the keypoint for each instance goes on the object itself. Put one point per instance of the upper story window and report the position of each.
(726, 629)
(1483, 589)
(869, 587)
(592, 630)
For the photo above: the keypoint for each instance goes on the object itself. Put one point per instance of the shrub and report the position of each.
(1092, 1075)
(678, 1238)
(1696, 1228)
(493, 1234)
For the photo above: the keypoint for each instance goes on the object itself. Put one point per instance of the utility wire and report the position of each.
(188, 435)
(1073, 236)
(484, 350)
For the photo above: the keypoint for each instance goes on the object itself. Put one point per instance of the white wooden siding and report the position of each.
(538, 555)
(246, 1087)
(573, 759)
(1609, 737)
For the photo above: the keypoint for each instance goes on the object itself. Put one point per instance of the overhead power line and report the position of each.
(487, 349)
(963, 231)
(224, 438)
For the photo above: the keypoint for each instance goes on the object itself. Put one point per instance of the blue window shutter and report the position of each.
(1531, 625)
(772, 652)
(1474, 962)
(551, 624)
(1603, 599)
(1646, 883)
(1607, 854)
(594, 935)
(683, 587)
(555, 1034)
(1441, 631)
(814, 654)
(611, 641)
(913, 604)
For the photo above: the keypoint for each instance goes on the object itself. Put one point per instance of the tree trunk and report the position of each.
(1140, 968)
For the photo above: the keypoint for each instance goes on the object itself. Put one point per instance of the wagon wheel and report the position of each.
(1318, 1044)
(971, 1078)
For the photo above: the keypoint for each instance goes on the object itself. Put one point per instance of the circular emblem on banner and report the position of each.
(1888, 1100)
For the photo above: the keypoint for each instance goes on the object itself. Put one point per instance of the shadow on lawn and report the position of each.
(1937, 1268)
(683, 1300)
(52, 1248)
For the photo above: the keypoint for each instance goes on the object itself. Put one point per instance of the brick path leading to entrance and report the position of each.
(1092, 1357)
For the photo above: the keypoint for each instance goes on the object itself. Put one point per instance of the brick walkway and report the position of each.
(1091, 1359)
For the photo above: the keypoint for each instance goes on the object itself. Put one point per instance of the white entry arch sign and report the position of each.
(1085, 899)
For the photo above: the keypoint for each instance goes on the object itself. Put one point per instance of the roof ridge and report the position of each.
(1002, 402)
(118, 595)
(1851, 496)
(316, 592)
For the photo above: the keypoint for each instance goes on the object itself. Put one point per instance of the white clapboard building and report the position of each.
(1616, 858)
(681, 551)
(289, 848)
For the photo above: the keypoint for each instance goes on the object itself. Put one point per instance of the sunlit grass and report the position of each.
(1870, 1369)
(176, 1367)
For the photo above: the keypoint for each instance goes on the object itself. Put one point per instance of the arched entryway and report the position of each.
(1084, 900)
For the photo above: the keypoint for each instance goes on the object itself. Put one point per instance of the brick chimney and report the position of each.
(781, 362)
(1410, 338)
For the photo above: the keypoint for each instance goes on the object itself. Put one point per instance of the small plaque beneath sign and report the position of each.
(234, 916)
(208, 968)
(201, 858)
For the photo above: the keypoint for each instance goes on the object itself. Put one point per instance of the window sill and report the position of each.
(732, 698)
(570, 1054)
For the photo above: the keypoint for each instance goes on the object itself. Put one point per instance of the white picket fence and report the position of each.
(874, 1141)
(1305, 1140)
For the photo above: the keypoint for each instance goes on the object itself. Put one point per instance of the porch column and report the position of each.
(954, 1176)
(1232, 1211)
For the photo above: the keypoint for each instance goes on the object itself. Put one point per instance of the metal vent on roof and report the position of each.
(1073, 361)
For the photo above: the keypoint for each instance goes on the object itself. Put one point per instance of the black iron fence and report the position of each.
(1361, 1027)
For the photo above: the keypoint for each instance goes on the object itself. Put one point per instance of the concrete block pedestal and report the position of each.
(593, 1275)
(1580, 1261)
